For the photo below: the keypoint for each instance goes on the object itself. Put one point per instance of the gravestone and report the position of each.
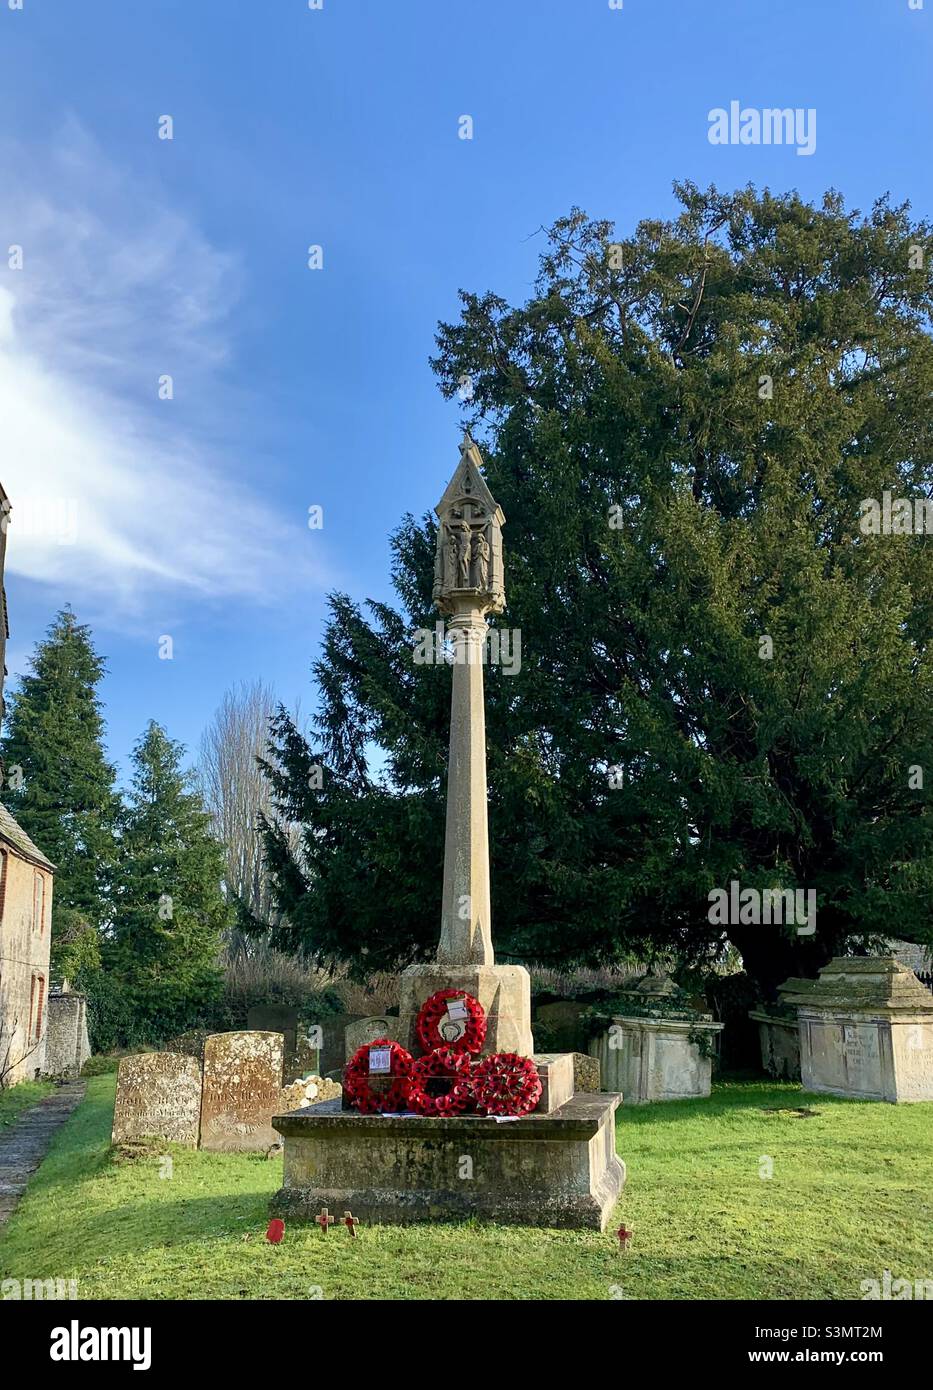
(302, 1043)
(866, 1030)
(369, 1030)
(158, 1095)
(333, 1042)
(586, 1072)
(242, 1090)
(275, 1018)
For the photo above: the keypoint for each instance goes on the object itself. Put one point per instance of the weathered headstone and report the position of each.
(368, 1030)
(158, 1095)
(586, 1072)
(242, 1090)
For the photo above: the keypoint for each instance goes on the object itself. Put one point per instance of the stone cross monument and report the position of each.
(556, 1167)
(468, 584)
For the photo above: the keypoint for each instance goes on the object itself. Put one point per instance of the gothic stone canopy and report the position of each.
(468, 569)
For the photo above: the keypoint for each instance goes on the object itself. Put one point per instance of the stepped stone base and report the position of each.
(504, 991)
(557, 1170)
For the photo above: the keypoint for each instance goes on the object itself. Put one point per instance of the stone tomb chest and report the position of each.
(660, 1048)
(866, 1030)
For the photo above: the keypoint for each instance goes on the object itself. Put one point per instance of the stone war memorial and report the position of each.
(454, 1116)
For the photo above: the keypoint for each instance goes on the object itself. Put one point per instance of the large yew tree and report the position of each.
(680, 428)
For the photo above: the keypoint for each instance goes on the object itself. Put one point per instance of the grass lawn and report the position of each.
(16, 1099)
(851, 1195)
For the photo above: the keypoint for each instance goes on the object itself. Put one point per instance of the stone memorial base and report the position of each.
(558, 1169)
(504, 991)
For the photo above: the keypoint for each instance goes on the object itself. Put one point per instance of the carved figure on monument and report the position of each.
(468, 558)
(451, 552)
(463, 560)
(480, 561)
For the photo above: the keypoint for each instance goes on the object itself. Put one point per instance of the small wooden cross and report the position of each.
(624, 1236)
(351, 1222)
(324, 1220)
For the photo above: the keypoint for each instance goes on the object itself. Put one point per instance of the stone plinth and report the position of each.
(555, 1072)
(866, 1030)
(542, 1170)
(650, 1059)
(780, 1044)
(504, 992)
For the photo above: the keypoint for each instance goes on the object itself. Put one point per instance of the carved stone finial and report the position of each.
(468, 567)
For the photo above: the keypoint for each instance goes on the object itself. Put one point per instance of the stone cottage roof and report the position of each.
(15, 835)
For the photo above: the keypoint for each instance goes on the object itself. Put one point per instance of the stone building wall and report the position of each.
(25, 938)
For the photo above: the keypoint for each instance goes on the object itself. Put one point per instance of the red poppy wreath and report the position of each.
(506, 1084)
(385, 1092)
(436, 1030)
(441, 1083)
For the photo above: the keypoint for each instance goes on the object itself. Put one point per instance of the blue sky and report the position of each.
(296, 388)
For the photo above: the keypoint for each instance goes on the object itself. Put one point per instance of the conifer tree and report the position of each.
(58, 782)
(724, 676)
(168, 908)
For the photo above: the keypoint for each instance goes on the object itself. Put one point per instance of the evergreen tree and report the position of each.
(168, 908)
(58, 782)
(682, 427)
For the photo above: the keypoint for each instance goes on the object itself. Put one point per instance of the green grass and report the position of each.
(851, 1195)
(16, 1099)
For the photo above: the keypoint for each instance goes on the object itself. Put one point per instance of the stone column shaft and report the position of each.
(466, 937)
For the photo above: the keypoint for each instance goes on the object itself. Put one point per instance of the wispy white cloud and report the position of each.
(120, 498)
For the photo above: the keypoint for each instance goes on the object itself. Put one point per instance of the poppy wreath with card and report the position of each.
(386, 1091)
(441, 1083)
(430, 1021)
(506, 1084)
